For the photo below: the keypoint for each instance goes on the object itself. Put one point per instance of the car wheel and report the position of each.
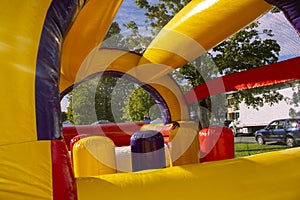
(260, 140)
(290, 142)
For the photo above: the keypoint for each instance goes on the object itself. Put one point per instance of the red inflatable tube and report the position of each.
(216, 143)
(119, 133)
(64, 185)
(280, 72)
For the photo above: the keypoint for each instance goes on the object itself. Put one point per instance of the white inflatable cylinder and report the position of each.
(123, 159)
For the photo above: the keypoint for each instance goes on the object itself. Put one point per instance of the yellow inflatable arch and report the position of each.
(47, 46)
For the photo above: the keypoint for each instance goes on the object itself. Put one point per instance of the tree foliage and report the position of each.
(83, 103)
(294, 100)
(244, 51)
(99, 98)
(131, 40)
(140, 106)
(160, 13)
(64, 116)
(70, 117)
(104, 89)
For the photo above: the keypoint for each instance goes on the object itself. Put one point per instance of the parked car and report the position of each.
(67, 123)
(281, 130)
(103, 121)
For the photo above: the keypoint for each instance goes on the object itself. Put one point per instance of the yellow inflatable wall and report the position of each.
(47, 46)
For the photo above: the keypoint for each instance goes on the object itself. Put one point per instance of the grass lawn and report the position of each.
(242, 150)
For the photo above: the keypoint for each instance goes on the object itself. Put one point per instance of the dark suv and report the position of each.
(282, 130)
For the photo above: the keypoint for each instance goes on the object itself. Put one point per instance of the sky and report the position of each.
(130, 12)
(284, 33)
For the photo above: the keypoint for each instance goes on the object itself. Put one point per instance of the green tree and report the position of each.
(83, 102)
(114, 38)
(103, 93)
(160, 13)
(114, 29)
(131, 41)
(294, 100)
(136, 41)
(99, 98)
(140, 106)
(64, 116)
(120, 94)
(246, 50)
(70, 108)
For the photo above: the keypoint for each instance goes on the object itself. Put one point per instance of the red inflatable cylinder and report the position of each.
(216, 143)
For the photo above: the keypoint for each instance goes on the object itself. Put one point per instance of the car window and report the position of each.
(281, 124)
(293, 123)
(273, 125)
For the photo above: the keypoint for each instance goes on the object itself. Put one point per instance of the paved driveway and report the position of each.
(244, 139)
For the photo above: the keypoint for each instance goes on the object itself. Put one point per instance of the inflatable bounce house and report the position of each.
(48, 46)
